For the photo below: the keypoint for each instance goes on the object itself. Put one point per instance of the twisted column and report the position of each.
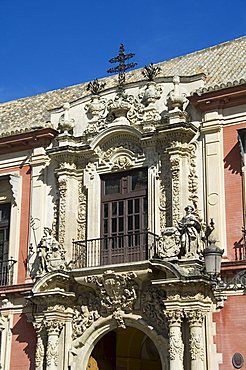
(197, 352)
(176, 345)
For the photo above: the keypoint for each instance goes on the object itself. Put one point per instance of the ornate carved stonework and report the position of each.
(174, 317)
(196, 347)
(85, 313)
(169, 243)
(52, 352)
(117, 293)
(153, 307)
(62, 186)
(82, 211)
(51, 254)
(53, 326)
(175, 171)
(176, 346)
(40, 348)
(195, 317)
(191, 233)
(193, 178)
(122, 163)
(66, 123)
(165, 193)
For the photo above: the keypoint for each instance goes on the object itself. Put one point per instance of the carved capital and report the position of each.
(174, 317)
(53, 327)
(195, 317)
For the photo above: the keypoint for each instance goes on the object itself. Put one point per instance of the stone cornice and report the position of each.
(224, 98)
(26, 140)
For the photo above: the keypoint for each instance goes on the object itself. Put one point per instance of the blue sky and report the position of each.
(49, 44)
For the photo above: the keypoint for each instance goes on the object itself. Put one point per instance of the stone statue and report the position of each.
(190, 228)
(51, 255)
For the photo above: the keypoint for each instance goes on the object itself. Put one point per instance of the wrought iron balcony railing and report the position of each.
(126, 248)
(7, 272)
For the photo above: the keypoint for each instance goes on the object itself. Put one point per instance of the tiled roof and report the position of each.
(221, 64)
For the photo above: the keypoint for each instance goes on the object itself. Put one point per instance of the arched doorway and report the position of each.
(124, 349)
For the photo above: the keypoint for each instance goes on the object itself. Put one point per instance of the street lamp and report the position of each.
(212, 258)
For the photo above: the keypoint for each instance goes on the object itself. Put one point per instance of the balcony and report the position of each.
(126, 248)
(6, 272)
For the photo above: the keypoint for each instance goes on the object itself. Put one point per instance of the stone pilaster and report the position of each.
(197, 350)
(176, 345)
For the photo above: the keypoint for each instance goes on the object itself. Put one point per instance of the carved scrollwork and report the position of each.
(153, 307)
(85, 313)
(117, 293)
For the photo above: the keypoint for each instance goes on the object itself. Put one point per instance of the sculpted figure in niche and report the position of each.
(190, 228)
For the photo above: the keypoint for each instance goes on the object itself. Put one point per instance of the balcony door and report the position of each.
(124, 217)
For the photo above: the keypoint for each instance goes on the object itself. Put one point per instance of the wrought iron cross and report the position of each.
(122, 67)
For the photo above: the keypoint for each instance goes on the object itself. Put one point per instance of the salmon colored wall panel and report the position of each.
(23, 344)
(25, 173)
(230, 330)
(24, 229)
(233, 188)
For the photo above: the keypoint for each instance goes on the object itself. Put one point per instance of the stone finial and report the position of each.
(176, 98)
(66, 124)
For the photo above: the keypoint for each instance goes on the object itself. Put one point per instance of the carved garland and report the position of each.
(175, 170)
(62, 186)
(193, 178)
(82, 210)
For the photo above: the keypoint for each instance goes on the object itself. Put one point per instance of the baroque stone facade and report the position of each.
(116, 195)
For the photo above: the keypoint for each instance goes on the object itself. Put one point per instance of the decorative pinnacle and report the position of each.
(122, 67)
(150, 71)
(95, 87)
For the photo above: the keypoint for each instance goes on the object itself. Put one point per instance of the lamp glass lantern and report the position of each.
(212, 258)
